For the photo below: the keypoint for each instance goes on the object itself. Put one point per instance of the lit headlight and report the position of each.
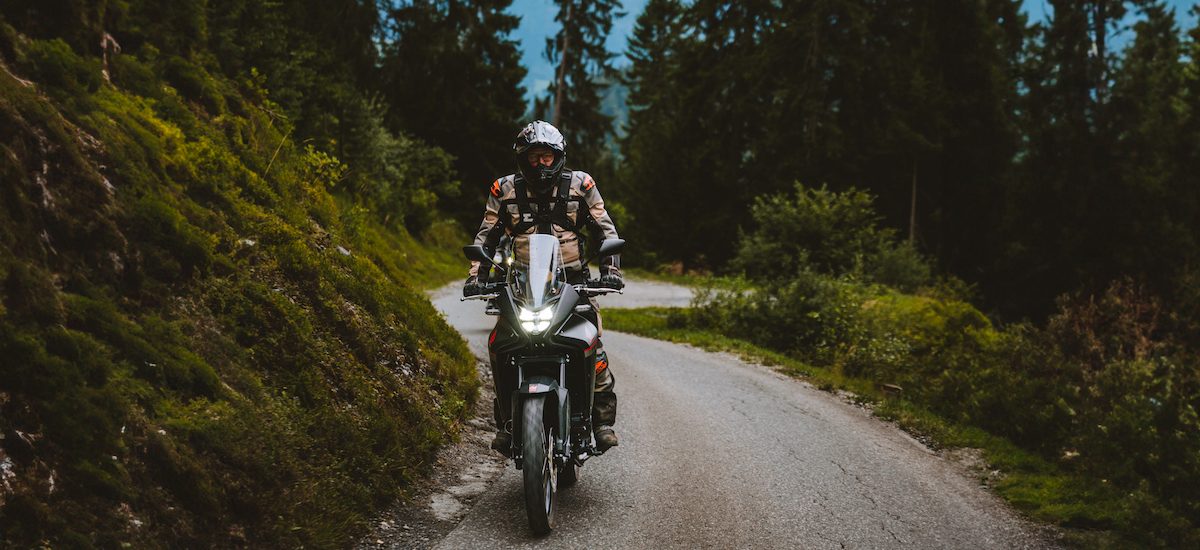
(535, 321)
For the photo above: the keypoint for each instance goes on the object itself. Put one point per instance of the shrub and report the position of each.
(810, 315)
(826, 231)
(61, 69)
(195, 84)
(1103, 384)
(899, 266)
(1135, 391)
(401, 176)
(829, 233)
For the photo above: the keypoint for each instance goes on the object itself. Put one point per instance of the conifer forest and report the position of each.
(220, 221)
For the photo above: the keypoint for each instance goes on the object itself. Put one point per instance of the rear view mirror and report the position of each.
(476, 253)
(609, 247)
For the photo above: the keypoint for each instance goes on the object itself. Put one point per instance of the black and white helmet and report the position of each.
(539, 132)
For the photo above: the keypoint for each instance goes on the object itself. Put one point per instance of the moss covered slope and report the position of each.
(199, 344)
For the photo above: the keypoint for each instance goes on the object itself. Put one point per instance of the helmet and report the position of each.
(540, 178)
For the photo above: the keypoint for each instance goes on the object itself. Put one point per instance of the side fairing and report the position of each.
(577, 332)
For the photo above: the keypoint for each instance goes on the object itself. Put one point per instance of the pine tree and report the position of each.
(319, 58)
(452, 77)
(757, 95)
(1146, 230)
(1056, 211)
(652, 182)
(582, 63)
(945, 153)
(1187, 150)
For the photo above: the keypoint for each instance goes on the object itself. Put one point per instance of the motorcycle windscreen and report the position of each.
(541, 279)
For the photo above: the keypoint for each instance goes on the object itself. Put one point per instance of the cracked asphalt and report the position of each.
(718, 453)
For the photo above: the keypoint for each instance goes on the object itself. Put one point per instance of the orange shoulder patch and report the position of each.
(496, 189)
(588, 183)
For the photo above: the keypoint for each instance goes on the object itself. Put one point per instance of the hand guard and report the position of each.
(471, 287)
(611, 278)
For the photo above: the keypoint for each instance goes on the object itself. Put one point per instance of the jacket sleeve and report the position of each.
(492, 227)
(600, 221)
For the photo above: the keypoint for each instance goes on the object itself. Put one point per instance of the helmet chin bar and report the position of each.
(540, 178)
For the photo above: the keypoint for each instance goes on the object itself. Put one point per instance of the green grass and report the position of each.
(426, 262)
(206, 342)
(1040, 489)
(665, 324)
(688, 279)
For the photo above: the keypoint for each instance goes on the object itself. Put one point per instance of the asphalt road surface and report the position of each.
(718, 453)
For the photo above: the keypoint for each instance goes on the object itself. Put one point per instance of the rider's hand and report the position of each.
(611, 278)
(472, 287)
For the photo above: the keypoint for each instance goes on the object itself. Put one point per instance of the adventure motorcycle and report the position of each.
(547, 332)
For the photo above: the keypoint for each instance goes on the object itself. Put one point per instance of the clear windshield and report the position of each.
(538, 281)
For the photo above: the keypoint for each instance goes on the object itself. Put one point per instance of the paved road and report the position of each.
(717, 453)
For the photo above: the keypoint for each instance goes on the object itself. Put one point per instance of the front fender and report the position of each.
(556, 397)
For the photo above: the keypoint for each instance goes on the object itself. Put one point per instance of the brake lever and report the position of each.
(588, 290)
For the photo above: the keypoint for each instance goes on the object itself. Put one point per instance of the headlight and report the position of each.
(535, 321)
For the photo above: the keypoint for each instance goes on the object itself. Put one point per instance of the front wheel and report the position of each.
(541, 483)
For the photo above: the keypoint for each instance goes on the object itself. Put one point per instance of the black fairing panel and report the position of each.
(565, 306)
(578, 332)
(508, 338)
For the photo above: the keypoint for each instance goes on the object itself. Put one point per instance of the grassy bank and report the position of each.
(204, 340)
(1091, 512)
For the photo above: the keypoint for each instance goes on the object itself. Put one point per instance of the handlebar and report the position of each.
(593, 288)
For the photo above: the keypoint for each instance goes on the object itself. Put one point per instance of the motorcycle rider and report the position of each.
(543, 197)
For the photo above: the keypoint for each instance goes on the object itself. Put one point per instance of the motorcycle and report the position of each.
(547, 333)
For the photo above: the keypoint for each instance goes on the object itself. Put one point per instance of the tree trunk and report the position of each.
(912, 212)
(561, 83)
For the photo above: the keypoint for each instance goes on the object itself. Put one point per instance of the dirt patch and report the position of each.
(438, 502)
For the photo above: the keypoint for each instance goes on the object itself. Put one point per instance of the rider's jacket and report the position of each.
(571, 205)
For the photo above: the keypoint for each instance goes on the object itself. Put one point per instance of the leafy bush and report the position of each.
(1103, 389)
(403, 178)
(899, 266)
(194, 83)
(810, 312)
(1136, 393)
(1110, 387)
(829, 233)
(56, 64)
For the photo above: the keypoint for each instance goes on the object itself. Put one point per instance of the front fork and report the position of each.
(574, 444)
(558, 407)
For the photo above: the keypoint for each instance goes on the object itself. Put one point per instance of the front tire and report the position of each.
(541, 479)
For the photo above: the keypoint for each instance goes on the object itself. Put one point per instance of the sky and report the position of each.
(537, 24)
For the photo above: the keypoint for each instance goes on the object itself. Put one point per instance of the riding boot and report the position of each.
(502, 441)
(502, 407)
(604, 405)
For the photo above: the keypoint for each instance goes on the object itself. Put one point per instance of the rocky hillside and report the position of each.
(203, 341)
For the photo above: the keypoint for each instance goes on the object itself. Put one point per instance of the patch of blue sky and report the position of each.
(1039, 10)
(537, 24)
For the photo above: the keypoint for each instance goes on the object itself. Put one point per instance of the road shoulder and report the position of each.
(437, 502)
